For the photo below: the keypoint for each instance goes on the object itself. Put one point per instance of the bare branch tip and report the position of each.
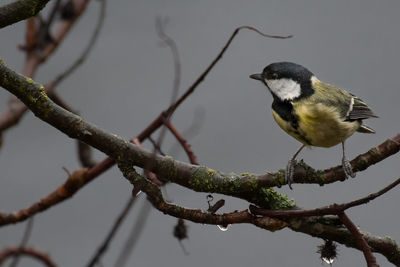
(263, 34)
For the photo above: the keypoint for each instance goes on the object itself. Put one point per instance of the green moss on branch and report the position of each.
(20, 10)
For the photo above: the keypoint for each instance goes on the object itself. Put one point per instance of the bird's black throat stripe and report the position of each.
(286, 112)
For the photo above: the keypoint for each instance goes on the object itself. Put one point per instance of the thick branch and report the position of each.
(20, 10)
(198, 178)
(323, 227)
(307, 175)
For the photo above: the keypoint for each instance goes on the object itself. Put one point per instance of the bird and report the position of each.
(313, 112)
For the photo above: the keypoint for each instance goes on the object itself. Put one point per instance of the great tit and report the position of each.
(313, 112)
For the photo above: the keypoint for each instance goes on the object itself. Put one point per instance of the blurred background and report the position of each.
(127, 81)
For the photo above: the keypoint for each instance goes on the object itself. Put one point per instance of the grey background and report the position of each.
(127, 81)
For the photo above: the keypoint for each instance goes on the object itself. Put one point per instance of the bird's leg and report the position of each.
(348, 170)
(290, 168)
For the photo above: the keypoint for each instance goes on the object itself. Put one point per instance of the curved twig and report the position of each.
(31, 252)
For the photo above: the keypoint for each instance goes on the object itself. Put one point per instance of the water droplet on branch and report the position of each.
(224, 228)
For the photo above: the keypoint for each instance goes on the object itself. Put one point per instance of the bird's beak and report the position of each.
(257, 76)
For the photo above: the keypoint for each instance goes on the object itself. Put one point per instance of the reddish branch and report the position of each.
(360, 241)
(30, 252)
(182, 141)
(67, 190)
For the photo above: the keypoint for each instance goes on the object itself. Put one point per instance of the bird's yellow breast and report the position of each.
(318, 124)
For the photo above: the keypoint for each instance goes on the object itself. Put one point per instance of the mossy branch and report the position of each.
(20, 10)
(198, 178)
(253, 188)
(247, 186)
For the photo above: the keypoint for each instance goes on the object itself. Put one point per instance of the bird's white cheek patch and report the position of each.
(285, 89)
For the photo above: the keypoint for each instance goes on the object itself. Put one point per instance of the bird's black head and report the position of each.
(286, 80)
(288, 70)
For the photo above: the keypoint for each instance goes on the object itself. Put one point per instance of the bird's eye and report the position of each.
(275, 75)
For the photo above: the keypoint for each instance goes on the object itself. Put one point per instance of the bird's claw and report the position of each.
(289, 172)
(348, 170)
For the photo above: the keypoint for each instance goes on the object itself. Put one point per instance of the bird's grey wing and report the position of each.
(358, 110)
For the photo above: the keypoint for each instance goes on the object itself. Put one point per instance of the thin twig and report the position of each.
(370, 197)
(333, 209)
(154, 143)
(192, 157)
(134, 234)
(24, 241)
(214, 208)
(121, 217)
(160, 24)
(191, 131)
(93, 39)
(43, 35)
(58, 100)
(63, 29)
(53, 13)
